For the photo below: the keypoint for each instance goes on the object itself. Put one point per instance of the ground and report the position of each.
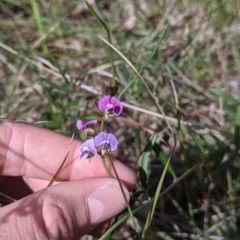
(53, 66)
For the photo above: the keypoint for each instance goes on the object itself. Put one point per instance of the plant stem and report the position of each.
(102, 124)
(125, 198)
(105, 167)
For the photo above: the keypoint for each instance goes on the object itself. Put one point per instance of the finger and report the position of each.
(36, 152)
(39, 184)
(65, 211)
(101, 229)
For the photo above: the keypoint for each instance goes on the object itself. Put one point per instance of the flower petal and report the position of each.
(91, 146)
(100, 138)
(117, 106)
(115, 101)
(117, 110)
(80, 124)
(112, 141)
(87, 149)
(85, 155)
(103, 102)
(91, 122)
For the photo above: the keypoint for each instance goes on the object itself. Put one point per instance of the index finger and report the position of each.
(31, 151)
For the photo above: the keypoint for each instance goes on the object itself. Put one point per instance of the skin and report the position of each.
(82, 200)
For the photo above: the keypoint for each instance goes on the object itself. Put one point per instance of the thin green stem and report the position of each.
(111, 60)
(102, 123)
(105, 167)
(125, 198)
(102, 157)
(231, 197)
(93, 12)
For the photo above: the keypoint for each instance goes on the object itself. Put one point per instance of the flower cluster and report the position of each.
(103, 142)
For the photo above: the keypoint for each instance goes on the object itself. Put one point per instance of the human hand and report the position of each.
(82, 201)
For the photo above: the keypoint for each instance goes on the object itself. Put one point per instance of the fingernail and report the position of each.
(105, 203)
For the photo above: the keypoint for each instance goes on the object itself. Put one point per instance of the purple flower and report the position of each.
(87, 149)
(110, 105)
(81, 126)
(106, 142)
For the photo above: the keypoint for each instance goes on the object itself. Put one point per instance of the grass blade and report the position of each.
(60, 167)
(37, 17)
(146, 63)
(162, 157)
(155, 199)
(93, 12)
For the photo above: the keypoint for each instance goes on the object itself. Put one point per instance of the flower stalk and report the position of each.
(105, 167)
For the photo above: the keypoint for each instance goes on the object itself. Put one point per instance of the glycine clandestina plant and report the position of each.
(103, 142)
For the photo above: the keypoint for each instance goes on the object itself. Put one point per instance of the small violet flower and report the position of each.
(105, 142)
(87, 149)
(110, 106)
(81, 126)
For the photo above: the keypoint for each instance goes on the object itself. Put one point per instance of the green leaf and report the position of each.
(163, 158)
(197, 141)
(92, 11)
(225, 96)
(143, 161)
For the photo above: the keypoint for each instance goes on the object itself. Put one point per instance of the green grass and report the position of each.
(53, 65)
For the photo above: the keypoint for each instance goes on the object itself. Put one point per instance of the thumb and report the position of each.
(64, 211)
